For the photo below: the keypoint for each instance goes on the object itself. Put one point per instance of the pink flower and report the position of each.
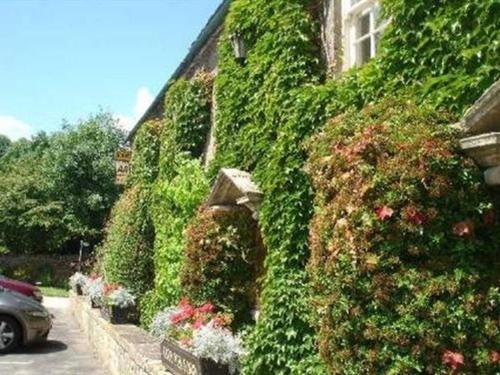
(206, 308)
(495, 356)
(454, 360)
(384, 212)
(217, 322)
(414, 216)
(198, 324)
(185, 341)
(464, 228)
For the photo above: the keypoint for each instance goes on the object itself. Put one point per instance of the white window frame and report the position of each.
(350, 16)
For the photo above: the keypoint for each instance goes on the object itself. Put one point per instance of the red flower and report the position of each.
(464, 228)
(185, 341)
(110, 288)
(384, 212)
(454, 360)
(207, 308)
(414, 216)
(489, 218)
(198, 324)
(495, 356)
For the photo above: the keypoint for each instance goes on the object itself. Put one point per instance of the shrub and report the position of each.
(224, 254)
(175, 201)
(126, 254)
(402, 264)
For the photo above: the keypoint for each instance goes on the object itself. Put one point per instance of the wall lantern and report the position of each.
(238, 43)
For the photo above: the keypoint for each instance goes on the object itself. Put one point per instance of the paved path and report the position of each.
(66, 352)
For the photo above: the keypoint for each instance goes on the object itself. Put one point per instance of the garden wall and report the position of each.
(123, 349)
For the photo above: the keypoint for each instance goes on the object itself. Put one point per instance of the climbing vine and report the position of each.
(268, 106)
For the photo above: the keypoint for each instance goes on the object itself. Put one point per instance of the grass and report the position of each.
(49, 291)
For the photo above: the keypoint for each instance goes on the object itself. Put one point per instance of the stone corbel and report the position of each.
(482, 125)
(235, 187)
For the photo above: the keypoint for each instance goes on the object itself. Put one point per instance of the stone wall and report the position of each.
(123, 349)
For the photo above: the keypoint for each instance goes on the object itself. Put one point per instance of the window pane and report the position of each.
(354, 2)
(376, 16)
(364, 51)
(363, 25)
(377, 40)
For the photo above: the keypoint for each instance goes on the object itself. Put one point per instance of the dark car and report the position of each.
(21, 287)
(22, 320)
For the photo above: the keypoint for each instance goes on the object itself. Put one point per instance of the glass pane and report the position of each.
(363, 25)
(376, 16)
(364, 51)
(377, 40)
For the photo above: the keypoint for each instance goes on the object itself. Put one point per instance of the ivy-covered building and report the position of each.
(301, 170)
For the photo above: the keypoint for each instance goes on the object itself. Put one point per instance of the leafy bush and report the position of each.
(402, 264)
(127, 253)
(224, 256)
(175, 200)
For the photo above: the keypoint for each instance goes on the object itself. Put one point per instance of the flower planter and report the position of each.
(181, 362)
(117, 315)
(95, 304)
(78, 290)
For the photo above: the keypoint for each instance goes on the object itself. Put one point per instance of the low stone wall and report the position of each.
(123, 349)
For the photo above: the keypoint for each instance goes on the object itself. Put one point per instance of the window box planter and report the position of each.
(181, 362)
(78, 290)
(95, 304)
(118, 315)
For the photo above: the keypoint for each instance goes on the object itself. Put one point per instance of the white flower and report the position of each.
(121, 298)
(78, 279)
(218, 344)
(94, 288)
(162, 324)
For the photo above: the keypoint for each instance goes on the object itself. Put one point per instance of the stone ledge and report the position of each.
(123, 349)
(484, 148)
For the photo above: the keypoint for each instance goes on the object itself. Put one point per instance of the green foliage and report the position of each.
(146, 153)
(268, 106)
(5, 143)
(187, 112)
(126, 256)
(223, 260)
(175, 201)
(56, 189)
(402, 263)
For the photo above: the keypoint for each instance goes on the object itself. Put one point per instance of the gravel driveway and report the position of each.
(66, 352)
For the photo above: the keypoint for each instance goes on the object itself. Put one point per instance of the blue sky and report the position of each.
(65, 59)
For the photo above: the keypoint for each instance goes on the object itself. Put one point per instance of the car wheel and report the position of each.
(10, 334)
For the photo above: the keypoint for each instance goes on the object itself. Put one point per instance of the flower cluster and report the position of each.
(94, 287)
(201, 330)
(78, 280)
(116, 295)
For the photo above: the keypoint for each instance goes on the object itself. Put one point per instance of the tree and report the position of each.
(58, 189)
(4, 144)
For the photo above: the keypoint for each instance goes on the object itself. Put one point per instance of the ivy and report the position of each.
(187, 112)
(402, 264)
(268, 106)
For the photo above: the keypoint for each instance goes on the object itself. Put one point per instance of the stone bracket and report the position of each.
(235, 187)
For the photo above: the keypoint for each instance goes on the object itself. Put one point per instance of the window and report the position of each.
(362, 29)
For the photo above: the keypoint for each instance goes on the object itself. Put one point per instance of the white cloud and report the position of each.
(143, 100)
(14, 128)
